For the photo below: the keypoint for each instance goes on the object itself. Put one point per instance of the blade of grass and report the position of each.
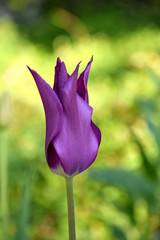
(3, 183)
(23, 211)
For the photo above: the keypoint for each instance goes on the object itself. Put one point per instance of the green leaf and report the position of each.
(155, 131)
(148, 107)
(149, 168)
(118, 233)
(23, 212)
(135, 185)
(155, 78)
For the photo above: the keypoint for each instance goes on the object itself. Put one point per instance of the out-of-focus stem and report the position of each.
(3, 182)
(70, 203)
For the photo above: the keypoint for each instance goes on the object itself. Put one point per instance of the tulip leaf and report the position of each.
(148, 107)
(149, 168)
(23, 211)
(118, 233)
(155, 131)
(150, 110)
(155, 78)
(137, 186)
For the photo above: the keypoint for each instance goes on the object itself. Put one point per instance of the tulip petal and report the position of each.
(57, 69)
(53, 112)
(76, 144)
(68, 93)
(61, 77)
(82, 82)
(97, 132)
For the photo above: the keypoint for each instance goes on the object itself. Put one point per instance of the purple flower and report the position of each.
(72, 139)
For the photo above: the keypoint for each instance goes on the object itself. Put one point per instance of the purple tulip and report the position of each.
(72, 139)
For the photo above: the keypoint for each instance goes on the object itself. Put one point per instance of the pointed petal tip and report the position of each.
(63, 67)
(90, 60)
(76, 69)
(31, 70)
(28, 67)
(88, 65)
(58, 60)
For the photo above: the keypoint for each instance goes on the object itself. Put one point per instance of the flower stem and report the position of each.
(3, 181)
(70, 203)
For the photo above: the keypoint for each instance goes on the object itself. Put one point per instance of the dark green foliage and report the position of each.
(118, 233)
(135, 185)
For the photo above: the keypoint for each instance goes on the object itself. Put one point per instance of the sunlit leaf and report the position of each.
(155, 78)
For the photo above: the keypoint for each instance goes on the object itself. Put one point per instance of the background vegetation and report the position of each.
(118, 197)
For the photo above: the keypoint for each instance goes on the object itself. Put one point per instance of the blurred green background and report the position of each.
(118, 198)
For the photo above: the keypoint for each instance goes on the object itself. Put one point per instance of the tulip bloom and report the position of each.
(72, 139)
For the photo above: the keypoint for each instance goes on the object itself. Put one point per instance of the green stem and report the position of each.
(3, 183)
(70, 203)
